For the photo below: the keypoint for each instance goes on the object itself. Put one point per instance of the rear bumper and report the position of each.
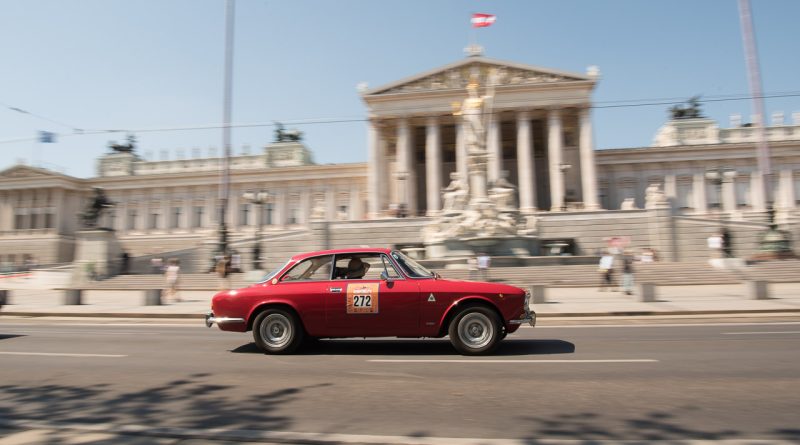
(211, 320)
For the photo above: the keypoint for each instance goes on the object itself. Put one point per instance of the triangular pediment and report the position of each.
(26, 171)
(457, 75)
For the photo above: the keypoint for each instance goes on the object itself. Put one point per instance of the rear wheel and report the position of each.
(277, 331)
(475, 330)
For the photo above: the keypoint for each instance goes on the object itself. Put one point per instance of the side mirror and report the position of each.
(385, 277)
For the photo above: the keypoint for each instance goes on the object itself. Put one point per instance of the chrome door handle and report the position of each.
(335, 289)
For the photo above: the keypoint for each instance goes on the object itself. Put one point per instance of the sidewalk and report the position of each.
(561, 302)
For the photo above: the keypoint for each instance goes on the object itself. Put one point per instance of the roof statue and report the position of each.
(124, 148)
(282, 135)
(690, 111)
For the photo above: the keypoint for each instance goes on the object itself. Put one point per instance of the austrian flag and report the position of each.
(482, 20)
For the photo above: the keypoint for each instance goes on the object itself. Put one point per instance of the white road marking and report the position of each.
(63, 354)
(637, 360)
(76, 332)
(759, 333)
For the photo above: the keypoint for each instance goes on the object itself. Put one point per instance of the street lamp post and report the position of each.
(564, 168)
(258, 199)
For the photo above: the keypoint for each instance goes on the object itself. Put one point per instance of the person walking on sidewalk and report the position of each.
(171, 274)
(223, 272)
(606, 269)
(627, 273)
(483, 266)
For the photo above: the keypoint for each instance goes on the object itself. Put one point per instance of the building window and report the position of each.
(153, 221)
(19, 221)
(197, 219)
(132, 219)
(175, 222)
(294, 216)
(112, 219)
(268, 212)
(34, 220)
(49, 220)
(244, 214)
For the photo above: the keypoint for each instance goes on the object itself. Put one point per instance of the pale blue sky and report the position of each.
(145, 64)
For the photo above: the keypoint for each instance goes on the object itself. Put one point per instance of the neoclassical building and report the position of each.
(539, 138)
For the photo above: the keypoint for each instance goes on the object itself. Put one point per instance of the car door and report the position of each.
(370, 306)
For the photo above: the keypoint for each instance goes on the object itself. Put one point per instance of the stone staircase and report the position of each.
(585, 275)
(664, 273)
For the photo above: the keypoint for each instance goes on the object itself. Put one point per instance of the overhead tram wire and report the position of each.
(39, 116)
(321, 121)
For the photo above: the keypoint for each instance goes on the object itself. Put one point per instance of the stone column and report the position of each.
(729, 196)
(355, 203)
(433, 166)
(375, 175)
(330, 203)
(757, 192)
(671, 189)
(405, 171)
(699, 192)
(305, 206)
(588, 167)
(461, 153)
(58, 211)
(554, 151)
(166, 209)
(494, 148)
(787, 189)
(280, 209)
(188, 209)
(525, 161)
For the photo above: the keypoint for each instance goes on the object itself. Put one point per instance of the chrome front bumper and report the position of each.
(530, 315)
(211, 320)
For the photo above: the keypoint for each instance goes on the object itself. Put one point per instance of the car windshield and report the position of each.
(272, 273)
(411, 267)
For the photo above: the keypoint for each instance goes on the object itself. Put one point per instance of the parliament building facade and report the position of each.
(539, 138)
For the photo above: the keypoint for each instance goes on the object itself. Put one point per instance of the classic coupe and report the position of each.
(369, 292)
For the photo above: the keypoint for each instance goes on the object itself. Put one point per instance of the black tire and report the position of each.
(475, 330)
(277, 331)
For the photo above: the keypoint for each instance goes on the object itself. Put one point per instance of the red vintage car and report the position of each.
(369, 292)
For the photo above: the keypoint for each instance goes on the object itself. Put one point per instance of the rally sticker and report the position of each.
(362, 298)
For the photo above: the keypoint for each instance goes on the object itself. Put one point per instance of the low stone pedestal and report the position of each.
(97, 254)
(4, 294)
(647, 292)
(538, 292)
(757, 290)
(152, 297)
(73, 297)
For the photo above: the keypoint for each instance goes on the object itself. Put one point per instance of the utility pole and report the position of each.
(224, 189)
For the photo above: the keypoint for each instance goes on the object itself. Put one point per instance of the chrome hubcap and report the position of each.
(475, 330)
(276, 330)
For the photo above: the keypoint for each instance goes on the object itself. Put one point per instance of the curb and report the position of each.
(538, 314)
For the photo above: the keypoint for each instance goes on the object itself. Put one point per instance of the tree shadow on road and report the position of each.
(382, 347)
(588, 427)
(193, 402)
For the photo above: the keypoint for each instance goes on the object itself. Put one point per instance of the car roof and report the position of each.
(302, 256)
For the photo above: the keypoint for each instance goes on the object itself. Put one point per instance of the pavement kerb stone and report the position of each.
(538, 315)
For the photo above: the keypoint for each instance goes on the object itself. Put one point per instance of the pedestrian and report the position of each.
(235, 262)
(171, 274)
(223, 272)
(627, 273)
(725, 242)
(606, 268)
(483, 262)
(715, 245)
(472, 266)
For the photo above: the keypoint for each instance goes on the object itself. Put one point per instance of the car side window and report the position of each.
(363, 266)
(311, 269)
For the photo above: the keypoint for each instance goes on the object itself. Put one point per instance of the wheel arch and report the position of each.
(465, 302)
(270, 305)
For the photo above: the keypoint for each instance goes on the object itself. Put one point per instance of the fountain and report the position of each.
(478, 216)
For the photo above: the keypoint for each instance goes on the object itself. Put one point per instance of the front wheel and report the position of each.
(475, 331)
(277, 331)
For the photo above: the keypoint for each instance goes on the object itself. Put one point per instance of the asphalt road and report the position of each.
(687, 379)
